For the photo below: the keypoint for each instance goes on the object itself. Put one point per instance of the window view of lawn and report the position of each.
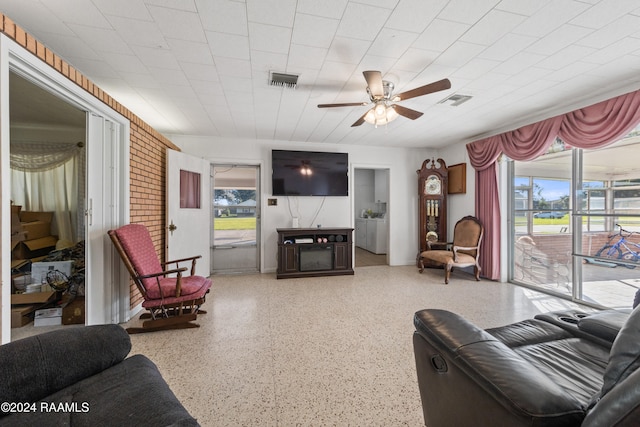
(234, 223)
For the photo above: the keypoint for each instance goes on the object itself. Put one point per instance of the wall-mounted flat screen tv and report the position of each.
(309, 173)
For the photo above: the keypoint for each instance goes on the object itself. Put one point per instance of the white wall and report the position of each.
(459, 205)
(335, 211)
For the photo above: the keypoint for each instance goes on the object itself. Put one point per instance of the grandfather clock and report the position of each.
(432, 195)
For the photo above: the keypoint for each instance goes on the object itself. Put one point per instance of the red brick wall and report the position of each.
(558, 246)
(148, 147)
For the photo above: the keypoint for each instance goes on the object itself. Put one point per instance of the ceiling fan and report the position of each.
(381, 95)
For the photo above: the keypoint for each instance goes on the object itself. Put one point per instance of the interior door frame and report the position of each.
(258, 188)
(115, 189)
(373, 167)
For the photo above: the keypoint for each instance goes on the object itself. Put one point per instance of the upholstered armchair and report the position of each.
(465, 249)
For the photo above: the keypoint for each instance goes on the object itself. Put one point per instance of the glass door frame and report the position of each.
(244, 263)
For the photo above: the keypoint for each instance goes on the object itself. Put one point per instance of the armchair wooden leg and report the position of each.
(477, 269)
(447, 273)
(421, 263)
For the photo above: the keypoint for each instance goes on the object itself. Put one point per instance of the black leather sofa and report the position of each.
(83, 377)
(558, 369)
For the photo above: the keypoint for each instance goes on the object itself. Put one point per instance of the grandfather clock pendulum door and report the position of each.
(432, 194)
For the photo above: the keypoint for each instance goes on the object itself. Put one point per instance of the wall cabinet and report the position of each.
(371, 234)
(381, 185)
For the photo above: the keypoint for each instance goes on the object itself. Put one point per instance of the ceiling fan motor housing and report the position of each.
(387, 88)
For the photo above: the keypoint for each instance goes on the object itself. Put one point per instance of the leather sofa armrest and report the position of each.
(476, 358)
(605, 324)
(35, 367)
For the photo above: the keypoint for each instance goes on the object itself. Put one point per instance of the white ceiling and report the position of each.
(201, 67)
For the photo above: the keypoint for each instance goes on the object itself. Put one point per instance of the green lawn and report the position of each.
(234, 223)
(543, 221)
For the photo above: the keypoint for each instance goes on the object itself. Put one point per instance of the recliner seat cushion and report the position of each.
(526, 332)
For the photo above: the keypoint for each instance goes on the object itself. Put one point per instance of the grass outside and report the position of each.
(234, 223)
(628, 221)
(543, 221)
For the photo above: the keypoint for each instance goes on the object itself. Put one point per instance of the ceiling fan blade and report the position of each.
(407, 112)
(374, 82)
(360, 120)
(346, 104)
(423, 90)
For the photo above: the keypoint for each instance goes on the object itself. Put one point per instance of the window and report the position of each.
(576, 223)
(189, 190)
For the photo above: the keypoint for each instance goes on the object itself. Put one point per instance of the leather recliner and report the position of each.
(558, 369)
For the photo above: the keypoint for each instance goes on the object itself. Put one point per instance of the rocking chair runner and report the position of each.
(172, 299)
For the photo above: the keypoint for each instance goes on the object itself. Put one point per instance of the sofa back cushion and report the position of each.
(624, 358)
(35, 367)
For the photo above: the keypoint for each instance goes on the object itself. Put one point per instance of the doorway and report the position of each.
(101, 196)
(371, 210)
(235, 218)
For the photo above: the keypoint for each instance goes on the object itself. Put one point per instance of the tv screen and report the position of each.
(309, 173)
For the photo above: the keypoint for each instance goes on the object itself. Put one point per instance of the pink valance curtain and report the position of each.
(594, 126)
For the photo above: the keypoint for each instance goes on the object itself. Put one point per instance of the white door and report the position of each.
(188, 209)
(107, 290)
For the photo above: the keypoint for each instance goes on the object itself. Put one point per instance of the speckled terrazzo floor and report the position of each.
(329, 351)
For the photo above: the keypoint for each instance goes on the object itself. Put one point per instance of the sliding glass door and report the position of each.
(575, 223)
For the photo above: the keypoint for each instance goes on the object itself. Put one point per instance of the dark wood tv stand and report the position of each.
(303, 252)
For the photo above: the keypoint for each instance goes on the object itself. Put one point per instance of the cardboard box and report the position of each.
(34, 248)
(36, 229)
(36, 224)
(17, 237)
(73, 313)
(30, 216)
(48, 317)
(21, 315)
(33, 298)
(15, 219)
(19, 265)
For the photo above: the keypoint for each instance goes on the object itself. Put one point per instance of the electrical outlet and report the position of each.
(272, 202)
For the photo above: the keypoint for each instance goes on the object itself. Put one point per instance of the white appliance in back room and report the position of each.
(370, 201)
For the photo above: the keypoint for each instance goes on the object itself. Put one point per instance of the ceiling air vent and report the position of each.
(455, 99)
(289, 81)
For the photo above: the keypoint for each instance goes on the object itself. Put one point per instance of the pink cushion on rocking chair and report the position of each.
(189, 285)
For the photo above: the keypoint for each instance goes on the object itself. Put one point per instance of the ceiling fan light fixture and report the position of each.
(306, 170)
(392, 114)
(381, 114)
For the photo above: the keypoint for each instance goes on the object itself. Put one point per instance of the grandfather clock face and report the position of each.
(433, 185)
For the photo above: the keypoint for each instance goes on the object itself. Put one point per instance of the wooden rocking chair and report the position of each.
(172, 299)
